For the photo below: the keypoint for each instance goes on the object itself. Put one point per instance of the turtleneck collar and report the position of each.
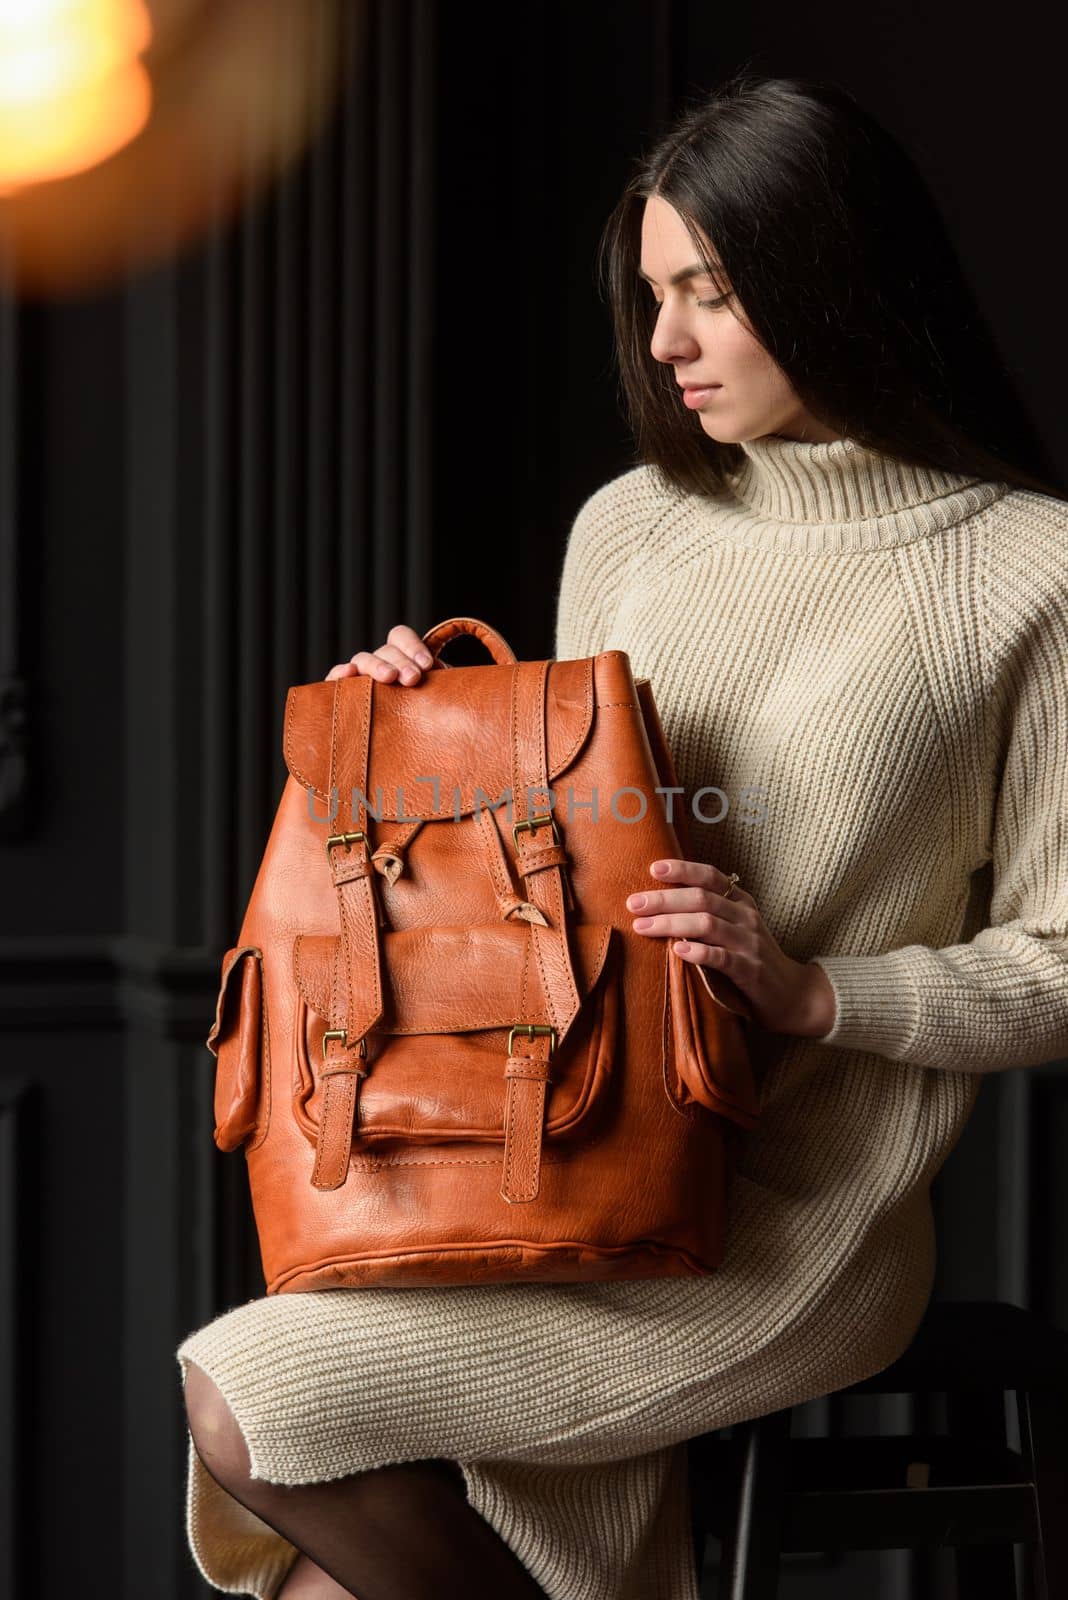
(842, 495)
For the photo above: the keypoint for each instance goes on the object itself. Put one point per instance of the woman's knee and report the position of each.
(219, 1441)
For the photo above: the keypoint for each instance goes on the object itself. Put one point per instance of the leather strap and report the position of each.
(527, 1078)
(542, 863)
(389, 856)
(509, 903)
(356, 984)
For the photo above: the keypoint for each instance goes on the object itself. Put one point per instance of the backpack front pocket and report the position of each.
(436, 1062)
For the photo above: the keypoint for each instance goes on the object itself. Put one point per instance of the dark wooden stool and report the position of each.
(763, 1493)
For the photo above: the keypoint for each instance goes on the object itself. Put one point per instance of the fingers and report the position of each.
(703, 925)
(739, 965)
(403, 658)
(407, 668)
(694, 907)
(409, 641)
(672, 870)
(688, 898)
(702, 875)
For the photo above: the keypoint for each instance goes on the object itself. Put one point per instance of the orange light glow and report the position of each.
(131, 128)
(72, 90)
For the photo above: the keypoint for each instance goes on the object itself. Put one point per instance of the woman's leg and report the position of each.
(306, 1581)
(402, 1532)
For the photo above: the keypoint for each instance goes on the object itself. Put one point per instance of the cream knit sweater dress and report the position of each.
(870, 660)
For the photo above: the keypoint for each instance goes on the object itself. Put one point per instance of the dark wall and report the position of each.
(379, 395)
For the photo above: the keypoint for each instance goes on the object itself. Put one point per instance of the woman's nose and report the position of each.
(671, 341)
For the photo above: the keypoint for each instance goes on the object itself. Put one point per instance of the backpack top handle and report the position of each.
(437, 637)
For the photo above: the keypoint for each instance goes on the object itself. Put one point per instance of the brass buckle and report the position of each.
(340, 1033)
(346, 839)
(537, 821)
(530, 1029)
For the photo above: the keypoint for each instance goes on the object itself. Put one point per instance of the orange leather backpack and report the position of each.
(446, 1054)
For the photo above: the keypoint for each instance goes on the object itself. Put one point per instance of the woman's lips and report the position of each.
(694, 397)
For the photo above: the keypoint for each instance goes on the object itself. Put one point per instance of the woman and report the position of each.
(843, 565)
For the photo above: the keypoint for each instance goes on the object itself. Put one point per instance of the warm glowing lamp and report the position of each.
(128, 128)
(72, 90)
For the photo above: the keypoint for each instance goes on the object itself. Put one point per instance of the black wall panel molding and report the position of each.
(19, 1320)
(13, 693)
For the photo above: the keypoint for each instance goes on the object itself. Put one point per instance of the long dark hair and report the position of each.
(835, 248)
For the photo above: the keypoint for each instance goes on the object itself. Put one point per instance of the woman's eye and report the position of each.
(709, 305)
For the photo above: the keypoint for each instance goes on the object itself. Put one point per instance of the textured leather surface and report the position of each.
(444, 1051)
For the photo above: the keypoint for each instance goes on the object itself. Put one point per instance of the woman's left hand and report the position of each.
(787, 996)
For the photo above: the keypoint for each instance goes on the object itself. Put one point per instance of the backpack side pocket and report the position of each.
(706, 1049)
(238, 1042)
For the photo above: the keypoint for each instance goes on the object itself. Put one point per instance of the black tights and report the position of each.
(402, 1532)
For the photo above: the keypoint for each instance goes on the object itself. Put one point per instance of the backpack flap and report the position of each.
(427, 732)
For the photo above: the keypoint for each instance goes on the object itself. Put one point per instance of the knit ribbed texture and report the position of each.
(870, 662)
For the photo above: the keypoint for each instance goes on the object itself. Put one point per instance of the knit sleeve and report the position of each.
(607, 531)
(1001, 999)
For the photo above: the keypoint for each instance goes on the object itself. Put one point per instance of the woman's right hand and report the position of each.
(403, 656)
